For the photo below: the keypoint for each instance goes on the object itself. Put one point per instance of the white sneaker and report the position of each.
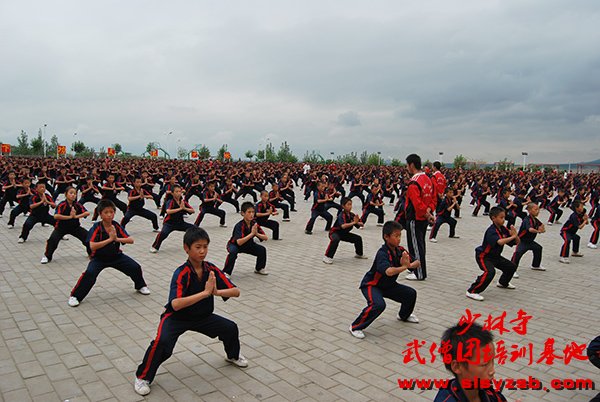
(577, 254)
(144, 290)
(475, 296)
(153, 250)
(357, 334)
(429, 228)
(327, 260)
(509, 286)
(564, 260)
(261, 272)
(592, 246)
(21, 240)
(412, 318)
(44, 225)
(44, 260)
(360, 257)
(412, 277)
(156, 230)
(516, 275)
(540, 268)
(10, 226)
(141, 387)
(73, 302)
(433, 240)
(241, 361)
(550, 224)
(286, 219)
(380, 224)
(65, 237)
(223, 225)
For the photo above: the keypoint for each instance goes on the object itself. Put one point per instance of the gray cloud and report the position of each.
(486, 79)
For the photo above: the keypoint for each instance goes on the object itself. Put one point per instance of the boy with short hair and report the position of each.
(264, 210)
(554, 207)
(468, 370)
(530, 227)
(176, 208)
(66, 217)
(23, 197)
(373, 205)
(136, 198)
(444, 215)
(276, 199)
(39, 204)
(104, 239)
(318, 209)
(595, 222)
(242, 241)
(380, 282)
(191, 308)
(340, 231)
(568, 232)
(489, 255)
(210, 205)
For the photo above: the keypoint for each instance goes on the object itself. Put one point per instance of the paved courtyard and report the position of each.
(293, 323)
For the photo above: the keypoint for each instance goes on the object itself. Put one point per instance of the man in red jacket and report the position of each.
(419, 209)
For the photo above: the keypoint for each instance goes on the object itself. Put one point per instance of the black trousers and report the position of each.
(415, 239)
(358, 194)
(118, 203)
(230, 200)
(525, 246)
(170, 329)
(86, 199)
(485, 204)
(250, 247)
(335, 205)
(166, 231)
(57, 235)
(144, 213)
(290, 197)
(336, 237)
(244, 191)
(32, 220)
(487, 264)
(314, 215)
(568, 238)
(16, 211)
(122, 263)
(403, 294)
(439, 221)
(555, 214)
(210, 210)
(273, 225)
(372, 210)
(284, 207)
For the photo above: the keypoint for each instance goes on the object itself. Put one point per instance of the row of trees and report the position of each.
(268, 154)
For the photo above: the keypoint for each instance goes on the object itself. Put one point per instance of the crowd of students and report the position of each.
(424, 198)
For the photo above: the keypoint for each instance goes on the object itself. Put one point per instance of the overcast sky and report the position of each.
(487, 79)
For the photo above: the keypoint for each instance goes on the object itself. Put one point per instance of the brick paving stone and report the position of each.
(293, 323)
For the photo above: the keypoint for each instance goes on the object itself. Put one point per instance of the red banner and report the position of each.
(194, 155)
(61, 149)
(154, 153)
(5, 148)
(110, 152)
(227, 155)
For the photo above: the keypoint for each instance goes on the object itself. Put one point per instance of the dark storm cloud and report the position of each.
(463, 76)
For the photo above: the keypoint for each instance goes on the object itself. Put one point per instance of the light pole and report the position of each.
(379, 158)
(44, 139)
(168, 145)
(524, 159)
(441, 158)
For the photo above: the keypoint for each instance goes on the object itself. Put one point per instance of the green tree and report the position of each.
(313, 157)
(37, 144)
(249, 154)
(260, 155)
(118, 148)
(221, 153)
(182, 153)
(505, 164)
(351, 158)
(22, 147)
(79, 148)
(460, 162)
(374, 159)
(364, 157)
(270, 155)
(52, 148)
(397, 162)
(203, 152)
(285, 154)
(150, 146)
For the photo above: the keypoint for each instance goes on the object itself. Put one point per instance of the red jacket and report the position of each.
(419, 197)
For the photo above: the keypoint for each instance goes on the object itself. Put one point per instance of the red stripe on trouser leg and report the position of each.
(154, 346)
